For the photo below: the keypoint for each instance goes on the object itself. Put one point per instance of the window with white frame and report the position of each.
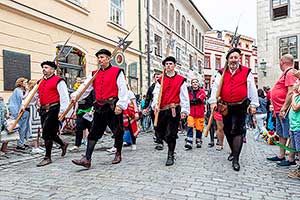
(183, 26)
(117, 11)
(157, 45)
(280, 9)
(288, 45)
(177, 21)
(164, 11)
(171, 16)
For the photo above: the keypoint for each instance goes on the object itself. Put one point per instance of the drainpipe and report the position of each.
(140, 47)
(148, 42)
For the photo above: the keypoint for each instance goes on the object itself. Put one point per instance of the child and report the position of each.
(294, 118)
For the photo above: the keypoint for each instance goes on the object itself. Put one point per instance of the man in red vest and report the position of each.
(111, 99)
(54, 99)
(196, 118)
(174, 105)
(239, 95)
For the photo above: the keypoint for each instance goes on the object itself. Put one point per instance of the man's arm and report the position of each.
(122, 92)
(212, 99)
(155, 95)
(252, 91)
(288, 100)
(184, 99)
(63, 96)
(149, 96)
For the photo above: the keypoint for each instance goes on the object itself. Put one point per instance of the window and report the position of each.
(117, 11)
(157, 45)
(288, 45)
(178, 55)
(199, 66)
(247, 61)
(191, 62)
(193, 35)
(164, 11)
(200, 42)
(183, 27)
(171, 16)
(177, 21)
(280, 9)
(207, 80)
(218, 62)
(196, 39)
(219, 34)
(155, 9)
(241, 59)
(255, 66)
(207, 61)
(188, 31)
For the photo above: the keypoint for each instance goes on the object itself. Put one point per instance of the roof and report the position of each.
(191, 1)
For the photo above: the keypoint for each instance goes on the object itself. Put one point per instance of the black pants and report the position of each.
(81, 125)
(50, 126)
(167, 126)
(105, 116)
(234, 127)
(50, 122)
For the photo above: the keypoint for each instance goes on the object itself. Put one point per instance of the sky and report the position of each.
(225, 14)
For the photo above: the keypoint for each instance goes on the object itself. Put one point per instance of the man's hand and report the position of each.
(73, 99)
(183, 115)
(282, 114)
(136, 116)
(60, 114)
(156, 110)
(213, 106)
(22, 109)
(252, 109)
(118, 110)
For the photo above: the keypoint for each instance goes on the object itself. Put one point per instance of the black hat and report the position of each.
(169, 58)
(103, 51)
(50, 63)
(231, 51)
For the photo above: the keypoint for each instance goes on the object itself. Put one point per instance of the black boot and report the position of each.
(170, 160)
(235, 165)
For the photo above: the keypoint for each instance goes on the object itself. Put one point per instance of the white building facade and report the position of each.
(177, 29)
(278, 33)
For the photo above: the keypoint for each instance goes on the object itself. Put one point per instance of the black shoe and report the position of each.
(188, 146)
(159, 147)
(170, 160)
(230, 157)
(210, 145)
(276, 158)
(236, 166)
(21, 148)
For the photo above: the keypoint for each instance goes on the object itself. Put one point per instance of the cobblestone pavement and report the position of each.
(197, 174)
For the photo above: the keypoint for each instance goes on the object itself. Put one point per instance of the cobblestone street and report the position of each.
(197, 174)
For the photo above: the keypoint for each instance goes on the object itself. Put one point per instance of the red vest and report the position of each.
(105, 83)
(48, 93)
(234, 87)
(171, 90)
(198, 109)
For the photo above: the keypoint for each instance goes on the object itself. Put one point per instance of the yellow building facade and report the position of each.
(34, 31)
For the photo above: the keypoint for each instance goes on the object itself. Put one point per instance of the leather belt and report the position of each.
(106, 101)
(48, 106)
(171, 106)
(232, 103)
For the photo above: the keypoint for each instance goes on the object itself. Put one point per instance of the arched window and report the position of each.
(171, 16)
(183, 26)
(193, 35)
(188, 31)
(164, 11)
(155, 9)
(177, 21)
(72, 63)
(196, 38)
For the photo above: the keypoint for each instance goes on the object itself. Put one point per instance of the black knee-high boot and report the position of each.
(171, 146)
(90, 148)
(48, 146)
